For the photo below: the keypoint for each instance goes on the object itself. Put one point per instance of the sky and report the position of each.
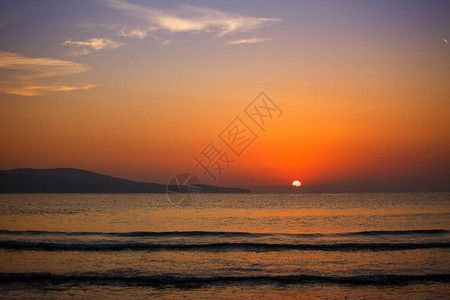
(356, 94)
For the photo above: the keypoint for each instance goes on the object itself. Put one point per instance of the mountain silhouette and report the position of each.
(68, 180)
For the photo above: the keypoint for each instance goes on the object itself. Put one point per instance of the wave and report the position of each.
(396, 232)
(132, 234)
(137, 246)
(223, 233)
(105, 279)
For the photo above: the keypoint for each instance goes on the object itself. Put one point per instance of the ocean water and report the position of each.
(326, 246)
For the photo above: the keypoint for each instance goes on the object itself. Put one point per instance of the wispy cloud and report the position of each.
(23, 75)
(36, 90)
(93, 44)
(39, 67)
(186, 18)
(137, 33)
(249, 41)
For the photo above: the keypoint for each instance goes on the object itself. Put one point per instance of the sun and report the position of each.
(296, 183)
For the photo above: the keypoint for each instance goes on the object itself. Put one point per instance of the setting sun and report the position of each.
(296, 183)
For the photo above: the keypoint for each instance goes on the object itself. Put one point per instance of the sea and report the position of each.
(225, 246)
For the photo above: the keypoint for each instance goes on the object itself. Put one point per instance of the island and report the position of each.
(69, 180)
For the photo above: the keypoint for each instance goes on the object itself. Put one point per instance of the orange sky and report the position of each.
(364, 90)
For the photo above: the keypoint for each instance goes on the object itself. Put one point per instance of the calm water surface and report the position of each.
(225, 246)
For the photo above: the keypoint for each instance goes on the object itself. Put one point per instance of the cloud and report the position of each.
(36, 90)
(249, 41)
(188, 18)
(39, 67)
(22, 75)
(138, 33)
(94, 44)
